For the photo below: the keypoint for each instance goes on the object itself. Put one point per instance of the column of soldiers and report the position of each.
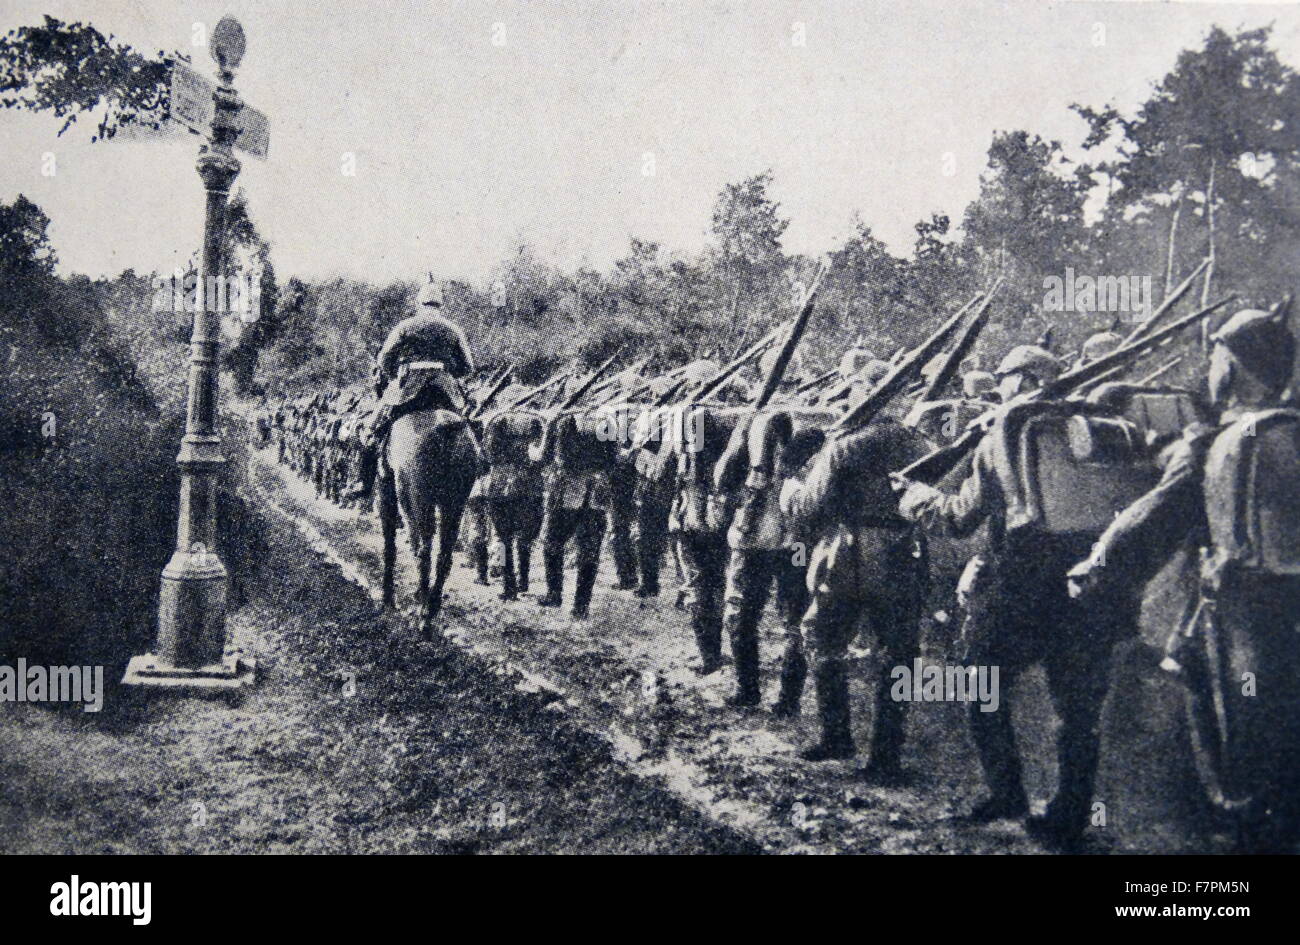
(785, 504)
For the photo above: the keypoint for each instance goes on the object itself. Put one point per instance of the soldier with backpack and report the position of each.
(1233, 490)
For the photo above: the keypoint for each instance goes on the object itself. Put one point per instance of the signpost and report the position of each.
(192, 652)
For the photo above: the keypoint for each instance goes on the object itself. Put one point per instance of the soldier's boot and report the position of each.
(481, 562)
(525, 559)
(624, 562)
(995, 743)
(649, 586)
(744, 653)
(885, 761)
(708, 638)
(586, 582)
(794, 670)
(553, 563)
(833, 707)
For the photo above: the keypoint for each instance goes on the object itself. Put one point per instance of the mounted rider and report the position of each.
(420, 367)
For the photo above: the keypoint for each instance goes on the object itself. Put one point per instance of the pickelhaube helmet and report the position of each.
(854, 360)
(1030, 359)
(1100, 345)
(701, 369)
(430, 293)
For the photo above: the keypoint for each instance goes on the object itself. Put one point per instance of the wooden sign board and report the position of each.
(192, 106)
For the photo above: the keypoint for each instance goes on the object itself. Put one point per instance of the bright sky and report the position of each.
(474, 124)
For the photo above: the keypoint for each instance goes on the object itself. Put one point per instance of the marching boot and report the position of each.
(553, 563)
(586, 581)
(794, 669)
(995, 743)
(744, 653)
(481, 562)
(833, 706)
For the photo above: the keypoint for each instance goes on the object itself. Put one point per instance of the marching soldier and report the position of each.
(1019, 614)
(1232, 490)
(702, 536)
(761, 452)
(424, 336)
(865, 563)
(581, 460)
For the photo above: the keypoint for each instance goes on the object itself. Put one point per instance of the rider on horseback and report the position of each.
(419, 367)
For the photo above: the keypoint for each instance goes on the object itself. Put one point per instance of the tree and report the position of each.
(1218, 139)
(747, 229)
(72, 68)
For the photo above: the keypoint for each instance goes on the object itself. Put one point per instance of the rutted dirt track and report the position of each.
(524, 731)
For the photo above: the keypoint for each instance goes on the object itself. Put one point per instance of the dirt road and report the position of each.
(522, 731)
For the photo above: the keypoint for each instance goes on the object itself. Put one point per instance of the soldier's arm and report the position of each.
(465, 365)
(956, 515)
(387, 357)
(730, 471)
(1142, 537)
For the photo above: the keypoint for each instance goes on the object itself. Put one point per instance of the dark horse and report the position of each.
(434, 460)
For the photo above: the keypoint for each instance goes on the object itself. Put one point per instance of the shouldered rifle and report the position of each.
(902, 374)
(497, 387)
(934, 466)
(539, 390)
(786, 352)
(738, 362)
(817, 381)
(965, 341)
(1170, 301)
(585, 387)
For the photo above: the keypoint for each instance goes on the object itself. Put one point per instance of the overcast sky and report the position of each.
(475, 124)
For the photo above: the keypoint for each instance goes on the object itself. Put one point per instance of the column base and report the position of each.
(235, 671)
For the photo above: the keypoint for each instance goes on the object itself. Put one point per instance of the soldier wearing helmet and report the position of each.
(1234, 490)
(425, 336)
(1019, 615)
(1025, 368)
(1098, 346)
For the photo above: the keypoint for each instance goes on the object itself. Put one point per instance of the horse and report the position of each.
(432, 460)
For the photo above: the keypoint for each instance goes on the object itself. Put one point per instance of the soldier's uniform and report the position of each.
(757, 457)
(580, 459)
(1020, 614)
(701, 534)
(654, 495)
(622, 515)
(1233, 490)
(427, 338)
(867, 562)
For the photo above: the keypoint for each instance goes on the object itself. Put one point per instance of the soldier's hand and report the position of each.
(1081, 579)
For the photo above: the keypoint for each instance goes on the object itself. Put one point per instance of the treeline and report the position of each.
(1210, 163)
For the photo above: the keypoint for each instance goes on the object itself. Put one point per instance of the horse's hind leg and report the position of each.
(428, 603)
(524, 556)
(449, 530)
(387, 502)
(509, 590)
